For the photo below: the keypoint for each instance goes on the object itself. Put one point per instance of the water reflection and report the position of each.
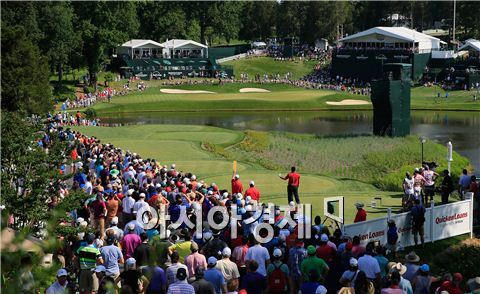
(462, 128)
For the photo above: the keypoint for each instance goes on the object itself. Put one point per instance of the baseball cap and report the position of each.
(353, 262)
(237, 176)
(212, 261)
(142, 195)
(425, 268)
(100, 268)
(131, 226)
(311, 250)
(252, 183)
(207, 236)
(62, 273)
(131, 262)
(226, 251)
(277, 252)
(324, 238)
(181, 274)
(114, 220)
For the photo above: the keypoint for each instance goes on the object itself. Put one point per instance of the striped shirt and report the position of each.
(181, 287)
(172, 272)
(88, 256)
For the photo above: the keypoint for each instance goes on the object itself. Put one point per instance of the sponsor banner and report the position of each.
(372, 230)
(452, 219)
(403, 221)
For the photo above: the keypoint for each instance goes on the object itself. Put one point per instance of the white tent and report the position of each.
(184, 48)
(470, 44)
(140, 48)
(394, 37)
(259, 44)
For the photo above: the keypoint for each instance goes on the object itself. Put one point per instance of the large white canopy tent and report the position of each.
(392, 37)
(178, 48)
(470, 45)
(138, 48)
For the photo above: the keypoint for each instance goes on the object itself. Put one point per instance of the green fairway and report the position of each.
(183, 145)
(268, 65)
(280, 98)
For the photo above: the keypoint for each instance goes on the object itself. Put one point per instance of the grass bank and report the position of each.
(268, 65)
(208, 152)
(379, 161)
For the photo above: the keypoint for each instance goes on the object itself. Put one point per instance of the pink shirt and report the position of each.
(239, 254)
(129, 243)
(192, 261)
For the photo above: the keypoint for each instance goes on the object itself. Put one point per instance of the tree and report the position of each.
(104, 26)
(226, 19)
(172, 23)
(60, 39)
(25, 74)
(28, 172)
(258, 20)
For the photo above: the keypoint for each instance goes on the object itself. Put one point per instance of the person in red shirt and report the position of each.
(253, 192)
(293, 182)
(325, 251)
(237, 186)
(361, 213)
(452, 286)
(99, 211)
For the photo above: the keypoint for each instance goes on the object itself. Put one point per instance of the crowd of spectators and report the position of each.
(114, 248)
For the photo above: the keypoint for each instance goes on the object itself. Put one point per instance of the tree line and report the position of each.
(41, 38)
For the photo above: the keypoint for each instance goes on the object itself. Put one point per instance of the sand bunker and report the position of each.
(348, 102)
(253, 90)
(178, 91)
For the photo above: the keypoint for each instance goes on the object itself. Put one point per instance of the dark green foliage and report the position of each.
(25, 74)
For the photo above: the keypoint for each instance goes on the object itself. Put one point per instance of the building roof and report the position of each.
(134, 43)
(394, 32)
(472, 43)
(180, 43)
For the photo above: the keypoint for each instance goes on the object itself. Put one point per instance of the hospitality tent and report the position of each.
(179, 48)
(470, 45)
(139, 48)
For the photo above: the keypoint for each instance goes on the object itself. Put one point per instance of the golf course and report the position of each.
(281, 97)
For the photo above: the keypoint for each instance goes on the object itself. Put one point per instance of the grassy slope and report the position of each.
(182, 145)
(267, 65)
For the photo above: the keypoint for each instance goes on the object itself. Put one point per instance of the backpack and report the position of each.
(277, 281)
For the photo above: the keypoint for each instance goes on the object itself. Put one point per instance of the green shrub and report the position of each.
(90, 113)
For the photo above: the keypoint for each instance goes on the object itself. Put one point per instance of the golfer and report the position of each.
(293, 182)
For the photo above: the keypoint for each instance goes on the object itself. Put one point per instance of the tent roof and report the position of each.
(475, 44)
(134, 43)
(180, 43)
(395, 32)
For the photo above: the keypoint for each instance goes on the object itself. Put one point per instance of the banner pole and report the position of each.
(471, 216)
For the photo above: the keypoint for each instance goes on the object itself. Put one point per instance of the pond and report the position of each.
(462, 128)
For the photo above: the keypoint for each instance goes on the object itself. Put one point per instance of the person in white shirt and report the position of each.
(260, 255)
(127, 204)
(140, 203)
(88, 186)
(60, 284)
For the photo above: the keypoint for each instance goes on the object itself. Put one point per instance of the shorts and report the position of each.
(429, 190)
(418, 230)
(88, 281)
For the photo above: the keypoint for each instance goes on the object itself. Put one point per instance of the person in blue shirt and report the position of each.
(215, 276)
(392, 237)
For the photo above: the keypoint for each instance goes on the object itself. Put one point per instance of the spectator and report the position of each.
(253, 282)
(228, 269)
(200, 285)
(394, 288)
(277, 271)
(195, 260)
(361, 213)
(181, 286)
(313, 263)
(214, 276)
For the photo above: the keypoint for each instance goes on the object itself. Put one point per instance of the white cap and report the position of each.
(321, 290)
(80, 219)
(194, 177)
(212, 261)
(130, 168)
(292, 203)
(210, 192)
(131, 226)
(207, 236)
(237, 176)
(225, 194)
(226, 251)
(239, 196)
(81, 235)
(142, 195)
(83, 224)
(252, 183)
(353, 261)
(248, 199)
(100, 269)
(131, 262)
(324, 238)
(62, 272)
(114, 220)
(158, 185)
(173, 166)
(277, 252)
(130, 192)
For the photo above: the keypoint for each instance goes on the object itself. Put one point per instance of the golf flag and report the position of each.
(234, 167)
